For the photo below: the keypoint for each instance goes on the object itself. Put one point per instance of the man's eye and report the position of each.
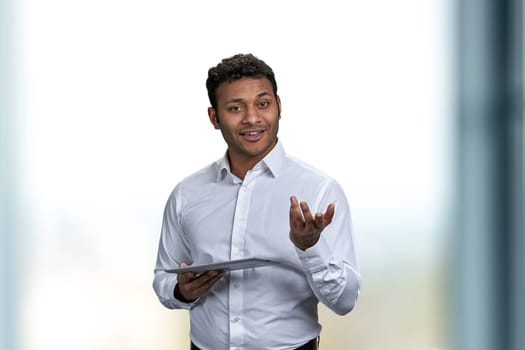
(235, 108)
(264, 104)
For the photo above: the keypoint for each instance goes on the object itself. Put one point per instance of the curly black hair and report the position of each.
(237, 67)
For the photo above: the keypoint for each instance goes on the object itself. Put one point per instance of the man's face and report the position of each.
(248, 115)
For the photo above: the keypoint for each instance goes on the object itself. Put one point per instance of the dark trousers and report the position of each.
(311, 345)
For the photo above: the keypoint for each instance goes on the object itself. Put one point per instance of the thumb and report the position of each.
(185, 276)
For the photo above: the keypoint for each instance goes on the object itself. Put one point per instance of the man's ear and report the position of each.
(212, 114)
(279, 105)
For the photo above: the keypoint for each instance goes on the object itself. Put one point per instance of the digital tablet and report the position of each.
(226, 266)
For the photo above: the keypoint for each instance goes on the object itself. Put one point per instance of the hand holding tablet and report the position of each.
(195, 281)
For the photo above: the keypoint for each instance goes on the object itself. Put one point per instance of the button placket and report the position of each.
(238, 251)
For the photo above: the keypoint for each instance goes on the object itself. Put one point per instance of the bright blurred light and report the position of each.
(113, 115)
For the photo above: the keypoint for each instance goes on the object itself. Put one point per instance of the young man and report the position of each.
(255, 202)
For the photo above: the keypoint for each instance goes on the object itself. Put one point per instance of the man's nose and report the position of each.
(251, 116)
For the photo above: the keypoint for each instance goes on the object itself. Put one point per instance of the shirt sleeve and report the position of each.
(331, 264)
(173, 249)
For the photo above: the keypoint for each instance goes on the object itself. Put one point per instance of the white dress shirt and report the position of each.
(213, 216)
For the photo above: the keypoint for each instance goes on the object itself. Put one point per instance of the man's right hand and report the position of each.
(190, 286)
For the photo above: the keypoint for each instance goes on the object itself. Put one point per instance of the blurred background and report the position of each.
(103, 110)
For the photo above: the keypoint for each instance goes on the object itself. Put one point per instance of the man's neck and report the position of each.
(239, 167)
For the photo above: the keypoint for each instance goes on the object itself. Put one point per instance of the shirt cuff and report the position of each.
(176, 302)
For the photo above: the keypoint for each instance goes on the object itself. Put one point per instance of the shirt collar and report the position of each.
(273, 161)
(223, 166)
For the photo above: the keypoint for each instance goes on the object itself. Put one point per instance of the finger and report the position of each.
(213, 277)
(202, 284)
(307, 214)
(185, 276)
(329, 214)
(294, 206)
(323, 220)
(319, 220)
(197, 287)
(296, 215)
(205, 277)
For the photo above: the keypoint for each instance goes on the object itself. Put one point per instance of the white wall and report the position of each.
(112, 114)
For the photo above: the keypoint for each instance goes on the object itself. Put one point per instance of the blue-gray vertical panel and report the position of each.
(8, 304)
(488, 303)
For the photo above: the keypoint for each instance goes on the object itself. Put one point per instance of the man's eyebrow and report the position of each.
(264, 93)
(234, 100)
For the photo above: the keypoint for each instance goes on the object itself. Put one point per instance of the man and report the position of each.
(255, 202)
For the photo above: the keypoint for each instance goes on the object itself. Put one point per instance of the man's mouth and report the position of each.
(252, 135)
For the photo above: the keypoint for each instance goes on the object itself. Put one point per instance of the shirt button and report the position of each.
(235, 319)
(237, 253)
(236, 285)
(236, 348)
(245, 188)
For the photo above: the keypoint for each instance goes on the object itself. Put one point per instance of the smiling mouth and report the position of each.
(252, 133)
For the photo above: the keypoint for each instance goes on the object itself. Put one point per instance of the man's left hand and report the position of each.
(305, 228)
